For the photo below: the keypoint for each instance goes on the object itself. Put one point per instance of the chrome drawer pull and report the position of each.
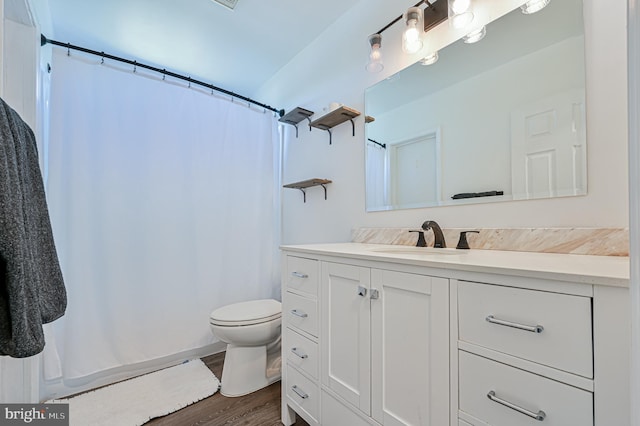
(302, 394)
(299, 353)
(531, 328)
(299, 275)
(298, 313)
(540, 415)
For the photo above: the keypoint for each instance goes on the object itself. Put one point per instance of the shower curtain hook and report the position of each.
(164, 73)
(135, 66)
(102, 60)
(189, 78)
(68, 49)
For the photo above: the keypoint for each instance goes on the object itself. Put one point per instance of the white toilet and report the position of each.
(251, 331)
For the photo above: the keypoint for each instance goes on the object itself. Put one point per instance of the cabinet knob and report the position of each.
(362, 291)
(375, 294)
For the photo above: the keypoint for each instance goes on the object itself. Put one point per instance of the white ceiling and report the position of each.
(238, 50)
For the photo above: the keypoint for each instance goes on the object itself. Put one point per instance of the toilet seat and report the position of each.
(246, 313)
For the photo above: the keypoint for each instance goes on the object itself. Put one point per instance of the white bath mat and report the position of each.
(134, 402)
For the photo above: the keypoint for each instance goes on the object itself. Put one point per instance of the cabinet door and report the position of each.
(409, 349)
(345, 333)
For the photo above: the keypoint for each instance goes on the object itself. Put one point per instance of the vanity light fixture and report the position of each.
(534, 6)
(412, 34)
(430, 59)
(375, 56)
(418, 21)
(476, 35)
(460, 14)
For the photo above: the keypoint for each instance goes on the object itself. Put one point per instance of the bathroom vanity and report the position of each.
(398, 335)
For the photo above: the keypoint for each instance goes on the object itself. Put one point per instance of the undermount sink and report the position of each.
(416, 250)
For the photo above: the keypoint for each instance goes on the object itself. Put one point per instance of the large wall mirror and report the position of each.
(501, 119)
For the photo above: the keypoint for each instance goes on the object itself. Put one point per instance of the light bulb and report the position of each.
(461, 20)
(375, 56)
(460, 6)
(412, 35)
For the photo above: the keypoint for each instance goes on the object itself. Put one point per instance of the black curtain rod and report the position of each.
(44, 40)
(383, 145)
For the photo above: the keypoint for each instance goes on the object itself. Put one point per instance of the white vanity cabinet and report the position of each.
(549, 355)
(376, 336)
(384, 344)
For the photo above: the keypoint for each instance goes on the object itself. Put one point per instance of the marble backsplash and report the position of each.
(594, 241)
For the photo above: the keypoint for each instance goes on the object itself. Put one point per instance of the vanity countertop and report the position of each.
(586, 269)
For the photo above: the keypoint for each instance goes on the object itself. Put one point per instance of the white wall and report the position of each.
(332, 69)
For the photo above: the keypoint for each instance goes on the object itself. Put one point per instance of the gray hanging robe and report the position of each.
(32, 290)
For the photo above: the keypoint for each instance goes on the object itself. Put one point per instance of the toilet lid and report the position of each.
(247, 313)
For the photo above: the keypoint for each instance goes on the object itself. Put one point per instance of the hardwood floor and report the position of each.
(261, 408)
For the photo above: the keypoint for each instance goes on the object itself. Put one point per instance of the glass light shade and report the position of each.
(412, 35)
(534, 6)
(375, 56)
(431, 58)
(459, 6)
(475, 36)
(460, 14)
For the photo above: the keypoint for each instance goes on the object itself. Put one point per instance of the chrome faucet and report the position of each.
(438, 236)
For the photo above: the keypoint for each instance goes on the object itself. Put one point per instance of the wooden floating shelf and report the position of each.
(302, 185)
(335, 117)
(295, 116)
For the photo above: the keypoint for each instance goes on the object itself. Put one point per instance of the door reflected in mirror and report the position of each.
(501, 119)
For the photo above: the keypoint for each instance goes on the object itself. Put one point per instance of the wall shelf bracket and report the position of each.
(308, 184)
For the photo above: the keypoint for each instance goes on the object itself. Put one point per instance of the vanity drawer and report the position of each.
(302, 275)
(303, 393)
(487, 387)
(505, 319)
(301, 313)
(301, 353)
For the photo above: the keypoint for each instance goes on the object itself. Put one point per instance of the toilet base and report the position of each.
(248, 369)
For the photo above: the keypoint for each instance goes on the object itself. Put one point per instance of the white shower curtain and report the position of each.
(164, 204)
